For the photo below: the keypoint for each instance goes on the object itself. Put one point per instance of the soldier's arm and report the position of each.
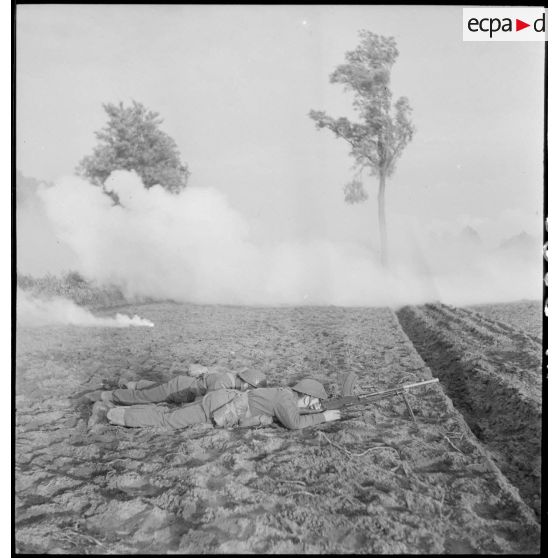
(288, 415)
(259, 420)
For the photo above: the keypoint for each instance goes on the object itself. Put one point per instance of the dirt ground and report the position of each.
(525, 315)
(375, 483)
(492, 372)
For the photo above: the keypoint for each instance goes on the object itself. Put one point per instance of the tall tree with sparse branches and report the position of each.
(132, 140)
(384, 129)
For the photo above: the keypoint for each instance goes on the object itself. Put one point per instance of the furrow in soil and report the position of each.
(493, 374)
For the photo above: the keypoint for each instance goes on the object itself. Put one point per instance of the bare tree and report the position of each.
(384, 130)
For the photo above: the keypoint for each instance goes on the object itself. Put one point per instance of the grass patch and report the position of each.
(72, 286)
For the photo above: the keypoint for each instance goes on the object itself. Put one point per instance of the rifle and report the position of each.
(354, 400)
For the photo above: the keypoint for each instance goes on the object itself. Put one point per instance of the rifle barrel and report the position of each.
(398, 389)
(351, 400)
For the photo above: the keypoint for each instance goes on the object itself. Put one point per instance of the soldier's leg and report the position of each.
(143, 384)
(187, 415)
(139, 416)
(136, 384)
(156, 394)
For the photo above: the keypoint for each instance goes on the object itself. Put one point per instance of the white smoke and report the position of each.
(33, 311)
(194, 247)
(39, 251)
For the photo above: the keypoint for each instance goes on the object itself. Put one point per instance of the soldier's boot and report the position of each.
(125, 384)
(116, 416)
(106, 397)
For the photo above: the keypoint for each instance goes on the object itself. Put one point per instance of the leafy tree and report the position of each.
(132, 140)
(384, 130)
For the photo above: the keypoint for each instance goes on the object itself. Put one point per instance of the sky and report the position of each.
(234, 85)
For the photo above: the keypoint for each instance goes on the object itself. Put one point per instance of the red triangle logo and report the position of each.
(519, 25)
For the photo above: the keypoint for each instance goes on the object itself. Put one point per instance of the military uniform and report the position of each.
(227, 407)
(181, 389)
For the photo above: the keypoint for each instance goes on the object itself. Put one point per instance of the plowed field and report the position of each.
(373, 483)
(492, 372)
(525, 315)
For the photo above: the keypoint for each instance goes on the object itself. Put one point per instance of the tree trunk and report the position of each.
(382, 220)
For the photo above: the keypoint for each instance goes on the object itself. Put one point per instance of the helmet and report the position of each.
(253, 377)
(311, 387)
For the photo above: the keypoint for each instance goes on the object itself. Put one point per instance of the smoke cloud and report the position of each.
(38, 312)
(39, 251)
(195, 247)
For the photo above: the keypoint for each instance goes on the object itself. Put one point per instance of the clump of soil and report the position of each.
(373, 483)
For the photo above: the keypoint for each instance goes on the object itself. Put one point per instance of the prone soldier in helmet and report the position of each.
(227, 408)
(182, 388)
